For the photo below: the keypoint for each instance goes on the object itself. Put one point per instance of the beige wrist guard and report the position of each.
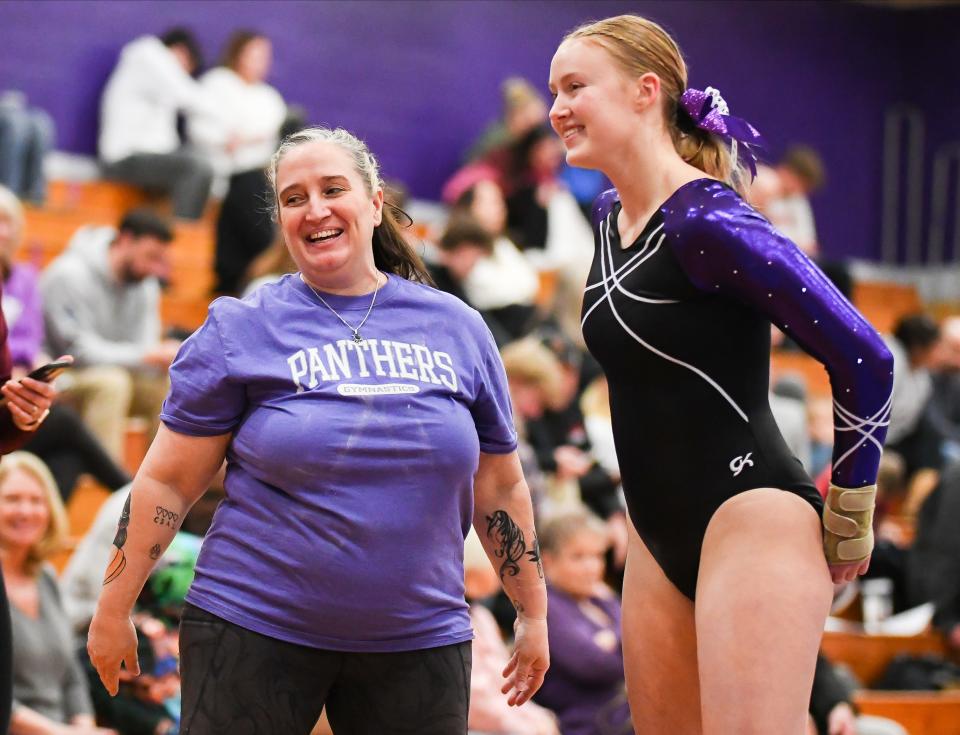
(848, 524)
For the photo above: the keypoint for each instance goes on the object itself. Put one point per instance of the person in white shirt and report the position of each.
(139, 142)
(240, 144)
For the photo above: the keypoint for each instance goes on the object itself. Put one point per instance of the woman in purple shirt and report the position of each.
(584, 686)
(365, 421)
(729, 568)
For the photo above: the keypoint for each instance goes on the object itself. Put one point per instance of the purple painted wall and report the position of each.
(419, 80)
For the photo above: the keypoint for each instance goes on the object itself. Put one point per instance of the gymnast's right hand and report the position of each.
(112, 639)
(841, 573)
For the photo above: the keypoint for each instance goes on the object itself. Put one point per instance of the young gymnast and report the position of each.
(728, 577)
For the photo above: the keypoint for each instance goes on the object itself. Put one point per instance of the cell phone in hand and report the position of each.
(46, 373)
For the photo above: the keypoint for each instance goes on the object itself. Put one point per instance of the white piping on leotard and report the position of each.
(629, 294)
(636, 261)
(631, 265)
(609, 299)
(878, 421)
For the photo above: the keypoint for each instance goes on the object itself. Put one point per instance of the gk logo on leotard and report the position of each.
(738, 463)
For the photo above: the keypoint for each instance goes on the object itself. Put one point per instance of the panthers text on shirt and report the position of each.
(384, 358)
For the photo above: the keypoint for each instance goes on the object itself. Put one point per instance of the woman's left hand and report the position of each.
(28, 401)
(531, 659)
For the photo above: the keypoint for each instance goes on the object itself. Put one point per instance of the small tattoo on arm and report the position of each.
(166, 517)
(119, 561)
(155, 552)
(534, 555)
(512, 545)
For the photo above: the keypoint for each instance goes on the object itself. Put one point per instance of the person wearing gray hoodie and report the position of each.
(102, 304)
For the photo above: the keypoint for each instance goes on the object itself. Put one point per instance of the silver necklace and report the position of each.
(356, 330)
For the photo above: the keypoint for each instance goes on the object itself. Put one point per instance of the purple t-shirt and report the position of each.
(350, 472)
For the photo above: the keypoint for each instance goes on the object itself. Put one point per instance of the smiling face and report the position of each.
(24, 513)
(596, 108)
(327, 215)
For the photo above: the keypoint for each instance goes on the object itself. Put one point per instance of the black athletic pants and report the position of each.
(238, 681)
(70, 449)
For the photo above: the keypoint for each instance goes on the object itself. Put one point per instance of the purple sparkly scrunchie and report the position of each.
(709, 111)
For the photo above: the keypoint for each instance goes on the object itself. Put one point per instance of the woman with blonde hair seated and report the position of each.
(49, 688)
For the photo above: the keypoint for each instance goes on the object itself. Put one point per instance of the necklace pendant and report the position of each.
(357, 339)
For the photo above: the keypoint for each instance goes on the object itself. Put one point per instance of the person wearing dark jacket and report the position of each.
(832, 711)
(933, 565)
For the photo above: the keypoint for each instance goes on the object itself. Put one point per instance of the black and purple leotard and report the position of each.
(680, 321)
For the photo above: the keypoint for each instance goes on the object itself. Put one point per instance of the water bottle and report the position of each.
(877, 601)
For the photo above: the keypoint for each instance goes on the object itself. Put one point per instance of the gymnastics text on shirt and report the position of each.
(383, 358)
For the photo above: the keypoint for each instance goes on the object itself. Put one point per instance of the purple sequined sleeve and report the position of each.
(727, 248)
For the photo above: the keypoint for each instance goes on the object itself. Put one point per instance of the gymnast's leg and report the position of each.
(763, 595)
(659, 647)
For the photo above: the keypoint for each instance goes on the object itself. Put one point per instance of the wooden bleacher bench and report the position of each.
(868, 656)
(920, 713)
(82, 509)
(883, 304)
(72, 205)
(93, 196)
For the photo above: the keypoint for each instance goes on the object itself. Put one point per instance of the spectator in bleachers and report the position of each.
(26, 136)
(584, 685)
(463, 244)
(801, 173)
(535, 379)
(832, 711)
(542, 215)
(944, 407)
(62, 441)
(239, 144)
(21, 295)
(912, 434)
(598, 423)
(559, 437)
(933, 568)
(547, 223)
(102, 305)
(791, 417)
(503, 283)
(139, 142)
(489, 712)
(523, 109)
(27, 404)
(49, 688)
